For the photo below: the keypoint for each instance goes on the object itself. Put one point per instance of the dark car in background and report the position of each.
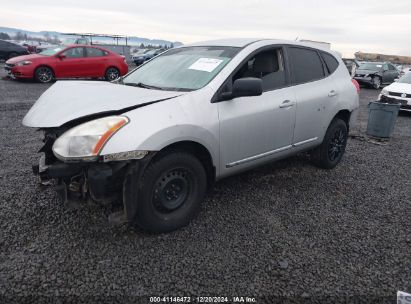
(376, 74)
(350, 62)
(147, 56)
(9, 50)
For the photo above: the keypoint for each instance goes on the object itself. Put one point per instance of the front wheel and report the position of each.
(170, 192)
(112, 74)
(330, 152)
(376, 82)
(44, 74)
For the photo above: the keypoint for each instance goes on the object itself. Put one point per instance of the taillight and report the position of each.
(356, 84)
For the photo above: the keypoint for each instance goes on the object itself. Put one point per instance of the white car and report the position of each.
(398, 92)
(405, 70)
(158, 137)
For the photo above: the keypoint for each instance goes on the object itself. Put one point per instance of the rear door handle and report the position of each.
(286, 104)
(332, 93)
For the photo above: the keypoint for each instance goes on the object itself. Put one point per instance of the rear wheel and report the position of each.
(112, 74)
(330, 152)
(170, 192)
(43, 74)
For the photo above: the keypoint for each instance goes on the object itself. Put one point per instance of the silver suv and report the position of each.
(155, 139)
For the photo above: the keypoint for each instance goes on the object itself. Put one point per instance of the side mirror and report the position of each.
(61, 56)
(245, 87)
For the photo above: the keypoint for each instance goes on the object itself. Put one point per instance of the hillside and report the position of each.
(132, 40)
(383, 57)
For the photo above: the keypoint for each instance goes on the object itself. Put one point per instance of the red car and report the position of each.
(75, 61)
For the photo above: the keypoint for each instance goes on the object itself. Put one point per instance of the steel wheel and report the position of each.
(171, 190)
(112, 74)
(44, 74)
(168, 194)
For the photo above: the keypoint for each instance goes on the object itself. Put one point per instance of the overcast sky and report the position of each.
(350, 26)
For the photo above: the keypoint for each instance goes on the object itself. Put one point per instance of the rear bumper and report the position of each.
(124, 69)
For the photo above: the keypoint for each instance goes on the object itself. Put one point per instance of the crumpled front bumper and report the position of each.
(364, 80)
(100, 181)
(103, 183)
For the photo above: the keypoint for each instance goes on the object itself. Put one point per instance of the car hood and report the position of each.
(399, 87)
(69, 100)
(361, 71)
(14, 60)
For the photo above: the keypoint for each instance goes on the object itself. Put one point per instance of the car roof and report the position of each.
(243, 42)
(234, 42)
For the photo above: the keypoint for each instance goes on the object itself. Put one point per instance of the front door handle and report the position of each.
(332, 93)
(286, 104)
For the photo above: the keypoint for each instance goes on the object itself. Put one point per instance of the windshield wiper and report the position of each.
(151, 87)
(143, 85)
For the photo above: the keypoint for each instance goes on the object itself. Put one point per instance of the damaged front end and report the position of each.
(101, 180)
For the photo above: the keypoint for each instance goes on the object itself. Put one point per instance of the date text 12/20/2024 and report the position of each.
(202, 300)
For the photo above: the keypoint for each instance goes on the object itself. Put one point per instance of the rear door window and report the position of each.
(93, 52)
(306, 65)
(76, 52)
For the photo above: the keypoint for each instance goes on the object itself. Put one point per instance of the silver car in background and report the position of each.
(157, 138)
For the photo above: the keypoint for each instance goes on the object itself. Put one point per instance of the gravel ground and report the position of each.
(283, 231)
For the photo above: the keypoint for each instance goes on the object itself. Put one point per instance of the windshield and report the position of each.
(182, 69)
(50, 51)
(406, 78)
(371, 66)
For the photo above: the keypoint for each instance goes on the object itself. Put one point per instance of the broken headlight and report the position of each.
(85, 141)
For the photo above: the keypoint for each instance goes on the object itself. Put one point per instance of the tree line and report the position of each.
(23, 36)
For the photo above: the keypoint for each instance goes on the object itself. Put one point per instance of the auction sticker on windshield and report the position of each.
(205, 64)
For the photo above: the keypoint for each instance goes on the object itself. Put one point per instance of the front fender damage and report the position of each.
(132, 177)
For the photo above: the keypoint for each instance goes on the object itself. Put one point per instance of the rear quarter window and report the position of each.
(306, 65)
(331, 62)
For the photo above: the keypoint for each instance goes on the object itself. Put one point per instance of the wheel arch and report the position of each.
(344, 115)
(111, 66)
(196, 149)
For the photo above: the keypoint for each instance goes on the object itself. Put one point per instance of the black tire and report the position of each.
(170, 192)
(12, 54)
(376, 82)
(330, 152)
(44, 74)
(111, 74)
